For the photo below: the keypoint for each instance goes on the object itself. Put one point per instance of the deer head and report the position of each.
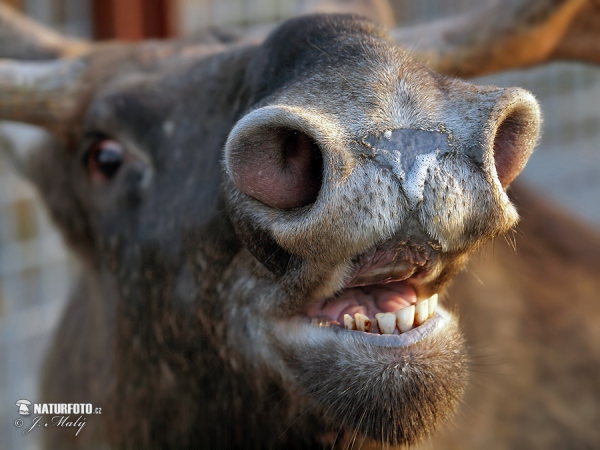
(236, 206)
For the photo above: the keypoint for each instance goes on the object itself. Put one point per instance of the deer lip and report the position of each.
(396, 341)
(392, 261)
(374, 288)
(387, 278)
(379, 283)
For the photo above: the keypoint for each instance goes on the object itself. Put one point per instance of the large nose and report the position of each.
(275, 154)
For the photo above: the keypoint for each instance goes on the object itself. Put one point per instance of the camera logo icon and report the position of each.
(23, 407)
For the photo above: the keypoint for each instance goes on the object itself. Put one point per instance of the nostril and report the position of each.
(302, 166)
(281, 167)
(514, 141)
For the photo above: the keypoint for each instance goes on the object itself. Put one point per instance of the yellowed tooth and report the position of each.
(405, 318)
(433, 301)
(421, 312)
(386, 322)
(363, 323)
(349, 322)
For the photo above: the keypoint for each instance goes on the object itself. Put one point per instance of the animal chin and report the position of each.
(381, 332)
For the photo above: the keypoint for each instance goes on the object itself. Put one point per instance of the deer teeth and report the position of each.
(433, 301)
(363, 323)
(349, 322)
(405, 318)
(386, 322)
(421, 312)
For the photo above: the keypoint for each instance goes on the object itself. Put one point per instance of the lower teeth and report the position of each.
(363, 323)
(402, 320)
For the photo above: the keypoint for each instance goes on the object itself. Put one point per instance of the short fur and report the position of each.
(187, 326)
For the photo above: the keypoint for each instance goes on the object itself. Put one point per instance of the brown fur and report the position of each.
(529, 307)
(186, 326)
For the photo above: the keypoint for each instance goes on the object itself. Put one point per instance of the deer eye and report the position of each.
(103, 160)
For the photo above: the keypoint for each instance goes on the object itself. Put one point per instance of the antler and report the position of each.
(42, 92)
(21, 38)
(507, 34)
(38, 92)
(53, 92)
(582, 41)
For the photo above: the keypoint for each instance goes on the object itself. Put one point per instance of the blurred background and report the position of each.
(36, 271)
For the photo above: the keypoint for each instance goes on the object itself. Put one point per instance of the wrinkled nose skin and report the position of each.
(399, 149)
(407, 153)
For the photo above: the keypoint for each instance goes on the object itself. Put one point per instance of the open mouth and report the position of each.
(386, 308)
(380, 298)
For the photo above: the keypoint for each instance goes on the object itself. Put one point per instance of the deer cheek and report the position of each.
(280, 168)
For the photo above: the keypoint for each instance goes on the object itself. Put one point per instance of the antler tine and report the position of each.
(45, 93)
(506, 35)
(582, 40)
(21, 38)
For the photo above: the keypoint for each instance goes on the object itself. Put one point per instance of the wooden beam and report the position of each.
(128, 17)
(159, 18)
(17, 4)
(134, 20)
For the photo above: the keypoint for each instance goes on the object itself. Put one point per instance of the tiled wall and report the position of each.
(195, 15)
(36, 272)
(35, 278)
